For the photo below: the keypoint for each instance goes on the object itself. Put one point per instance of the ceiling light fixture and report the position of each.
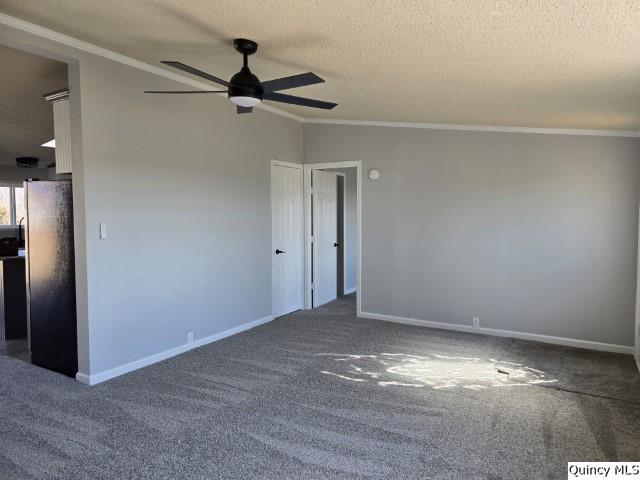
(243, 101)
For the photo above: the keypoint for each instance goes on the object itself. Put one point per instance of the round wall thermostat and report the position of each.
(374, 174)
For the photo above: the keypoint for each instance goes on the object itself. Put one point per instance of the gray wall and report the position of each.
(183, 184)
(531, 233)
(351, 227)
(18, 174)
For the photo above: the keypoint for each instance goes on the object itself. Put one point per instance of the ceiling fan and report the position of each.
(246, 91)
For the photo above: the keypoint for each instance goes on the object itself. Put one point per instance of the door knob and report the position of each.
(278, 252)
(336, 244)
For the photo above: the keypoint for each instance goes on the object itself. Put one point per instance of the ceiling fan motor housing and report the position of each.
(245, 84)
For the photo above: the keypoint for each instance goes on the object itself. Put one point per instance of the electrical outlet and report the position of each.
(476, 322)
(190, 337)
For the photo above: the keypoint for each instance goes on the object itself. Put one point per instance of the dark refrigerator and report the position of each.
(51, 292)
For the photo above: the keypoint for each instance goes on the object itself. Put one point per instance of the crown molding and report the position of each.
(477, 128)
(83, 46)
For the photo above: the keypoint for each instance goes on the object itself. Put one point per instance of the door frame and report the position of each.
(308, 168)
(33, 39)
(297, 166)
(344, 226)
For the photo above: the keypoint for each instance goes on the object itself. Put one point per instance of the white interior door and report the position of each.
(325, 237)
(286, 233)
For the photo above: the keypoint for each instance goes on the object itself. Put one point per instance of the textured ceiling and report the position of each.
(537, 63)
(26, 119)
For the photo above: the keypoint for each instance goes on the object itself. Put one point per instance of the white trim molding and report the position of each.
(535, 337)
(477, 128)
(350, 291)
(280, 163)
(172, 352)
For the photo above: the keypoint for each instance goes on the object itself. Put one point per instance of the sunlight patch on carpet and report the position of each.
(433, 371)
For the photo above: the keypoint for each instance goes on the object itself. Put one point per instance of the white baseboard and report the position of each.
(83, 378)
(172, 352)
(568, 342)
(350, 290)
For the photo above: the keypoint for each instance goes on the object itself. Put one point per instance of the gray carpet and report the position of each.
(16, 349)
(325, 395)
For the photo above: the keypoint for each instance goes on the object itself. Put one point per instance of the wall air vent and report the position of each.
(57, 96)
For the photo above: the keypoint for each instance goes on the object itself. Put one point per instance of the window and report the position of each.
(12, 205)
(21, 211)
(5, 206)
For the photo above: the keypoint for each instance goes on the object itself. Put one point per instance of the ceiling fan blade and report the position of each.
(293, 81)
(185, 91)
(240, 109)
(305, 102)
(195, 71)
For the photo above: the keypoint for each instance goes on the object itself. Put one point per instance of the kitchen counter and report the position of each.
(13, 298)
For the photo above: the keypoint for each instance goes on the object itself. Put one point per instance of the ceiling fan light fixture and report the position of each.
(245, 90)
(244, 101)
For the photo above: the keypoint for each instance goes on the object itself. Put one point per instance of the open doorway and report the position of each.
(37, 274)
(347, 230)
(332, 233)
